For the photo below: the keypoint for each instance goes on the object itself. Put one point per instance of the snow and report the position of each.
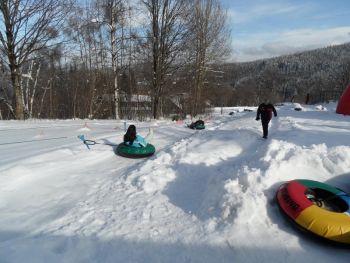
(205, 196)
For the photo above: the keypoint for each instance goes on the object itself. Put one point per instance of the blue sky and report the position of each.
(267, 28)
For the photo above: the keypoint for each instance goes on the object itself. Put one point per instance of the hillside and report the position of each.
(323, 73)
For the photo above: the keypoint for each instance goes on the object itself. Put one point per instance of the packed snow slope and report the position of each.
(205, 196)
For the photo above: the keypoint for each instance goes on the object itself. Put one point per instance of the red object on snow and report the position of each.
(291, 198)
(344, 103)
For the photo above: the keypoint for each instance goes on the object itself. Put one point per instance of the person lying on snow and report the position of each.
(265, 110)
(193, 125)
(131, 138)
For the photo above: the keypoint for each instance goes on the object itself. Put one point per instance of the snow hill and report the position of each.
(205, 196)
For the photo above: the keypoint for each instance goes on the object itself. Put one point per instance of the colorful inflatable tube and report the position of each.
(135, 152)
(322, 209)
(199, 127)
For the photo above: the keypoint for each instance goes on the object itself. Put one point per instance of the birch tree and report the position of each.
(30, 85)
(113, 18)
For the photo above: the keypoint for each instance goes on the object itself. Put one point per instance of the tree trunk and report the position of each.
(26, 27)
(155, 107)
(31, 102)
(18, 96)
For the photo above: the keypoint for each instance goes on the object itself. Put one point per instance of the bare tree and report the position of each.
(209, 42)
(112, 7)
(28, 26)
(166, 35)
(89, 58)
(114, 17)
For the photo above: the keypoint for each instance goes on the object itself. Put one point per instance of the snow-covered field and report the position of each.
(205, 196)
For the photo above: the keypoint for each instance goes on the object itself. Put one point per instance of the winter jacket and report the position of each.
(138, 142)
(265, 110)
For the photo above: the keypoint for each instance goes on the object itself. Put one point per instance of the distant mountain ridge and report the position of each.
(323, 73)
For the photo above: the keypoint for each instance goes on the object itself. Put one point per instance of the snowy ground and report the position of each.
(205, 196)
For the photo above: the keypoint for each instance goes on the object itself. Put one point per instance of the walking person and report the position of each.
(264, 113)
(307, 98)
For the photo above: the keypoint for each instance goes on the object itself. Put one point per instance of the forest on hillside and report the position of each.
(322, 73)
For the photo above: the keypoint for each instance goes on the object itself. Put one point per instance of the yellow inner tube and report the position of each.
(331, 225)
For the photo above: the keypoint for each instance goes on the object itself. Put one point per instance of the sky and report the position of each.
(204, 196)
(268, 28)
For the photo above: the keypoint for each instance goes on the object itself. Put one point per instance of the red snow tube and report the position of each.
(320, 209)
(344, 103)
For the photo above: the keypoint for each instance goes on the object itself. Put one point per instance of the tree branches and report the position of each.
(28, 25)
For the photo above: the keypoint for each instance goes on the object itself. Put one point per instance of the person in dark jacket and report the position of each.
(307, 99)
(131, 138)
(264, 113)
(193, 125)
